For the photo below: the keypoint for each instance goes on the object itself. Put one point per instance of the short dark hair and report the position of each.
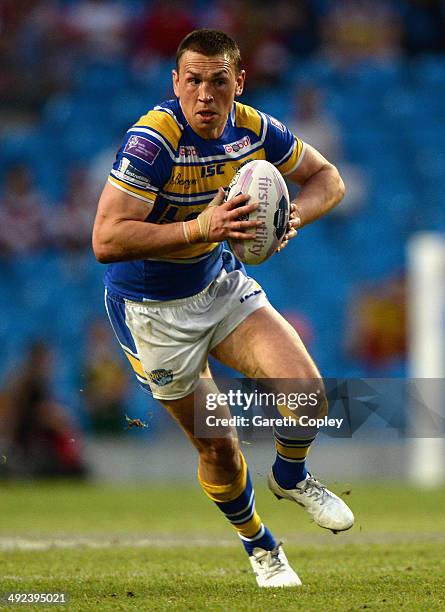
(210, 42)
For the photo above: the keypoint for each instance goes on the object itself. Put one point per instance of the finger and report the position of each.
(219, 198)
(292, 227)
(239, 199)
(242, 210)
(290, 234)
(245, 225)
(282, 245)
(242, 235)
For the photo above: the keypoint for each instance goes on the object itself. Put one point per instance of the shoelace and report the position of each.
(270, 561)
(313, 488)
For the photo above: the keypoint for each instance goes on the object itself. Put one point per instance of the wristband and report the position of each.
(197, 230)
(192, 231)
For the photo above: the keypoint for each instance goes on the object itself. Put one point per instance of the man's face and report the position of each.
(206, 87)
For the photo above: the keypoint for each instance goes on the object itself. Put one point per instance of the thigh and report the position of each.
(191, 411)
(171, 345)
(265, 345)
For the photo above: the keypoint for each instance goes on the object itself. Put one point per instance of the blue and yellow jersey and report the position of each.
(165, 164)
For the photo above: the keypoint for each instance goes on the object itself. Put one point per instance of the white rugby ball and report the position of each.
(265, 185)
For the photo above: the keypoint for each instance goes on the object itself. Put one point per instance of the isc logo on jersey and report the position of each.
(234, 147)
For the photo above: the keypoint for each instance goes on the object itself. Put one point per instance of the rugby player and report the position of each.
(174, 295)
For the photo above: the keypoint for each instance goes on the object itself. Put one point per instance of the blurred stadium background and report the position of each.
(362, 81)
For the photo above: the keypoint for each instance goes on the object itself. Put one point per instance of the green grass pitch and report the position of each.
(159, 548)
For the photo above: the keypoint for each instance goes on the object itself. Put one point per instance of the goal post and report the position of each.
(426, 333)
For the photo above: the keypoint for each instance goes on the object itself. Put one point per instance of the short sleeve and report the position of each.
(283, 149)
(142, 165)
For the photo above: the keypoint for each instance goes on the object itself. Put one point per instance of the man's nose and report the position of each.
(204, 93)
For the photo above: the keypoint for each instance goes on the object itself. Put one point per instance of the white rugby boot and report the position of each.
(272, 569)
(327, 510)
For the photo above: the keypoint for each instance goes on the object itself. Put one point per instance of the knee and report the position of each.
(311, 398)
(223, 452)
(319, 406)
(309, 386)
(323, 406)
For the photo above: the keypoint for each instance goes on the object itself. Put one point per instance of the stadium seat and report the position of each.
(429, 71)
(154, 79)
(272, 101)
(127, 107)
(313, 71)
(101, 79)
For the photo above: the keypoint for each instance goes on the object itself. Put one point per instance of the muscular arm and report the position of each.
(322, 187)
(120, 232)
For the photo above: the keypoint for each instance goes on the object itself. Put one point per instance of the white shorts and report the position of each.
(168, 342)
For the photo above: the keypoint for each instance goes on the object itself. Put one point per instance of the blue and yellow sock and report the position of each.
(290, 463)
(237, 502)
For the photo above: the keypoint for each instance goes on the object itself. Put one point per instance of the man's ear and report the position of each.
(240, 83)
(175, 79)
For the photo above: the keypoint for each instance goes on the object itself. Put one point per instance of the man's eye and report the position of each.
(194, 81)
(221, 82)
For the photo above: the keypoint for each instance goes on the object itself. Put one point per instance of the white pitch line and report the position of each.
(18, 543)
(69, 542)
